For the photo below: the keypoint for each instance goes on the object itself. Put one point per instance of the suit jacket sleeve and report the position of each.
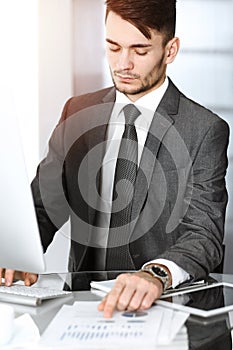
(48, 188)
(198, 250)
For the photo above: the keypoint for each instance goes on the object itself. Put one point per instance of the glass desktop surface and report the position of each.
(203, 334)
(80, 281)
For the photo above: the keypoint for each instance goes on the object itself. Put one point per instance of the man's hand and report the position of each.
(131, 291)
(11, 275)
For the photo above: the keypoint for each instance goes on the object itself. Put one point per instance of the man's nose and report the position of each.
(125, 61)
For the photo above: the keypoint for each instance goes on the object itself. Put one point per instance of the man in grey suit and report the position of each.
(175, 197)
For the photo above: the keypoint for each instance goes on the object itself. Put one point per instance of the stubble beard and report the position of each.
(148, 83)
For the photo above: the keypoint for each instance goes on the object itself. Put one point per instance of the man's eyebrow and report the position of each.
(131, 46)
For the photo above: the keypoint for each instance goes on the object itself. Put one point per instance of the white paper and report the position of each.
(180, 342)
(83, 325)
(26, 334)
(171, 324)
(104, 286)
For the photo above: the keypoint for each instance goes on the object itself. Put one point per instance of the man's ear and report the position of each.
(172, 49)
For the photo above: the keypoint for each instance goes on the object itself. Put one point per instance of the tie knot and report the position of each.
(131, 113)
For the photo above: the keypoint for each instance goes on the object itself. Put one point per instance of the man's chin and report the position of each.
(127, 89)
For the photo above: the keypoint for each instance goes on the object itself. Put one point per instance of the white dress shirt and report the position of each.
(147, 106)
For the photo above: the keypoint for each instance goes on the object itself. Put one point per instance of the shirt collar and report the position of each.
(147, 104)
(148, 101)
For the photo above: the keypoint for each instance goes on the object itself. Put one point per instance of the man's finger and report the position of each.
(110, 305)
(102, 303)
(1, 274)
(30, 278)
(132, 292)
(9, 277)
(112, 299)
(134, 299)
(147, 301)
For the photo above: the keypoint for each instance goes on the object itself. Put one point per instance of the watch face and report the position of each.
(158, 271)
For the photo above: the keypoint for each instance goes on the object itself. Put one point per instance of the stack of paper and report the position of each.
(83, 325)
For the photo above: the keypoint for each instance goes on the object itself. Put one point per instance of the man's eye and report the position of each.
(141, 53)
(114, 48)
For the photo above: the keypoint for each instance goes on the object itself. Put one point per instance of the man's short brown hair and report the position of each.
(159, 15)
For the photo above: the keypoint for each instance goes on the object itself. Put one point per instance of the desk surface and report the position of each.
(214, 335)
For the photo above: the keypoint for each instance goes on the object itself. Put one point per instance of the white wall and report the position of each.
(37, 70)
(19, 69)
(88, 45)
(55, 87)
(55, 63)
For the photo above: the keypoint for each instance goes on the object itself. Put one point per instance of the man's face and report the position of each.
(137, 64)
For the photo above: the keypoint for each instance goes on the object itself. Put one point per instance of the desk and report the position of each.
(202, 336)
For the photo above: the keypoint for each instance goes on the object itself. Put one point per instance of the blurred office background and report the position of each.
(55, 49)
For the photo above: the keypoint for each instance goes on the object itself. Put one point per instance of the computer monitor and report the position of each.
(20, 244)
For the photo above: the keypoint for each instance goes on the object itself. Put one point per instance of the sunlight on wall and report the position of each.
(19, 69)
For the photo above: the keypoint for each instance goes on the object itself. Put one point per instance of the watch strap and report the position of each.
(158, 272)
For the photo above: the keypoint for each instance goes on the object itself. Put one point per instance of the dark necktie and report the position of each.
(123, 190)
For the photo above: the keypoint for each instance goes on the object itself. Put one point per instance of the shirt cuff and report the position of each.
(179, 275)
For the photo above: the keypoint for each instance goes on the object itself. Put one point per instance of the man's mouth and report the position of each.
(125, 77)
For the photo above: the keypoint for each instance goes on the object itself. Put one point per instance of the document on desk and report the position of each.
(81, 324)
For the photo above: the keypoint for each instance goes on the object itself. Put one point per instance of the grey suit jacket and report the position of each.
(180, 196)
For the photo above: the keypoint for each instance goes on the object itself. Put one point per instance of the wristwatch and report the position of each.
(158, 272)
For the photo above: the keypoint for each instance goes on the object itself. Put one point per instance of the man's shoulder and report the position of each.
(198, 112)
(186, 111)
(186, 104)
(77, 103)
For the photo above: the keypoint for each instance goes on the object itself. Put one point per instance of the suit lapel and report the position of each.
(161, 123)
(100, 117)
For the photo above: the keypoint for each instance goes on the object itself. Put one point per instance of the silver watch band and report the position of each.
(158, 272)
